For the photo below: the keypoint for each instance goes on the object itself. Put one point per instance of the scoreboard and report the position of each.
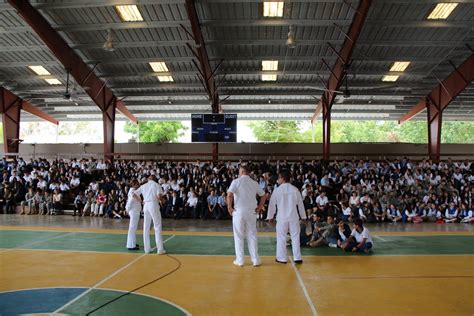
(214, 128)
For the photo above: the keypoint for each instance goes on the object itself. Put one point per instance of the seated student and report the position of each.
(101, 202)
(344, 232)
(222, 208)
(90, 204)
(322, 204)
(325, 235)
(175, 205)
(432, 212)
(46, 204)
(360, 239)
(346, 212)
(57, 202)
(379, 214)
(37, 200)
(393, 214)
(451, 214)
(190, 206)
(27, 202)
(79, 202)
(466, 214)
(211, 205)
(421, 211)
(409, 215)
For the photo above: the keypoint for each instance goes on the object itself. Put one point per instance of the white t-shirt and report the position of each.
(361, 236)
(322, 201)
(289, 201)
(150, 191)
(245, 191)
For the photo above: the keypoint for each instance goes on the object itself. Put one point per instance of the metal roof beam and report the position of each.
(206, 72)
(447, 90)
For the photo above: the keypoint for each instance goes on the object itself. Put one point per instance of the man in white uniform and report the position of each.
(287, 198)
(133, 208)
(151, 192)
(242, 206)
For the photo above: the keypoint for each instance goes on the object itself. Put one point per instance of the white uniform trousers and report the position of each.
(151, 212)
(134, 214)
(282, 228)
(245, 225)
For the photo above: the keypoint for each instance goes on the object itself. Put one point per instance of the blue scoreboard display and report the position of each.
(214, 128)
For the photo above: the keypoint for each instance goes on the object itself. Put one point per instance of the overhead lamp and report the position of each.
(109, 42)
(159, 66)
(39, 70)
(272, 9)
(390, 78)
(269, 65)
(53, 81)
(442, 11)
(290, 41)
(165, 78)
(400, 66)
(269, 77)
(129, 13)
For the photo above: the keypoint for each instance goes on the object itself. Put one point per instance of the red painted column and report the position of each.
(10, 108)
(108, 117)
(435, 115)
(326, 131)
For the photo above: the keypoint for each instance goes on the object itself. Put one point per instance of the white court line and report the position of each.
(303, 287)
(106, 279)
(35, 242)
(380, 238)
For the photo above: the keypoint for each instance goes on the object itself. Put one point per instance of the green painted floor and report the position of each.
(223, 245)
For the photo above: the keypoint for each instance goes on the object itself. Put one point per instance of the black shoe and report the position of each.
(136, 248)
(298, 261)
(283, 262)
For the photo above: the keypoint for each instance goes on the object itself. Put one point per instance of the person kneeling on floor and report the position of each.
(360, 239)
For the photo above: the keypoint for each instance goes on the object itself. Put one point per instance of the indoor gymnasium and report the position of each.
(219, 157)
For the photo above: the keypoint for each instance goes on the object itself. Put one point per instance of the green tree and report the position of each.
(277, 131)
(152, 132)
(457, 132)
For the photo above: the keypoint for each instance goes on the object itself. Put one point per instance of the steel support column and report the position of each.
(326, 130)
(435, 116)
(10, 108)
(338, 73)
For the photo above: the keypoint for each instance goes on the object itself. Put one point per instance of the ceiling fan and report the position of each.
(69, 94)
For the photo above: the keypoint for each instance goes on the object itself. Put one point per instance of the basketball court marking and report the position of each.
(303, 287)
(380, 238)
(27, 245)
(107, 278)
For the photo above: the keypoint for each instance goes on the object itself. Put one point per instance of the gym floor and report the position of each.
(70, 265)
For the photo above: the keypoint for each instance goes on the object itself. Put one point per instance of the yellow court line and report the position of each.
(123, 231)
(228, 234)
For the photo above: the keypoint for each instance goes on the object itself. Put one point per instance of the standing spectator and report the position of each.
(79, 203)
(57, 202)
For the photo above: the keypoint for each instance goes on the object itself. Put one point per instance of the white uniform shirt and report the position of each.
(132, 203)
(287, 198)
(360, 236)
(322, 201)
(150, 191)
(245, 191)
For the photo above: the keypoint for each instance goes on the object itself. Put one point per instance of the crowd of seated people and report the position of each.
(370, 191)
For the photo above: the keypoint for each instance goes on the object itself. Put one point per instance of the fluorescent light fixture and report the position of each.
(363, 107)
(389, 78)
(269, 77)
(442, 11)
(129, 13)
(273, 9)
(159, 66)
(269, 65)
(53, 81)
(165, 78)
(400, 66)
(39, 70)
